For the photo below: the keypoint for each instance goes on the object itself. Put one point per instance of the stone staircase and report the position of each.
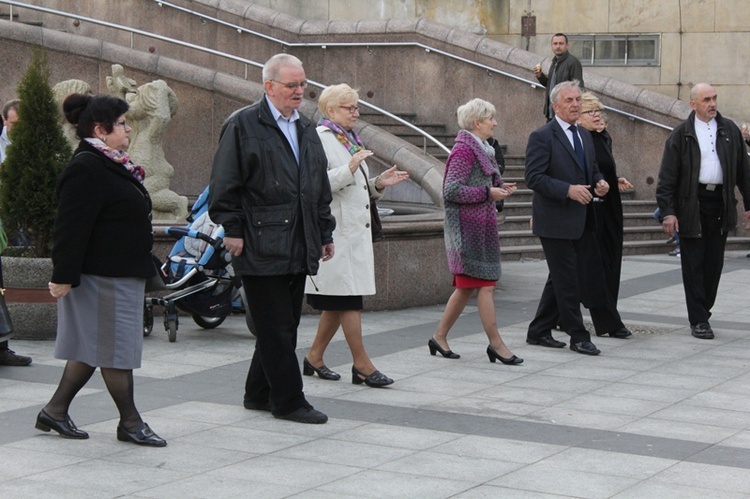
(642, 234)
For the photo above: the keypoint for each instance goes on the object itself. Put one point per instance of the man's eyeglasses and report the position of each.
(293, 85)
(592, 112)
(351, 109)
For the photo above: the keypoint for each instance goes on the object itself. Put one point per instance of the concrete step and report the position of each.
(524, 237)
(534, 251)
(639, 206)
(639, 219)
(524, 195)
(380, 119)
(631, 220)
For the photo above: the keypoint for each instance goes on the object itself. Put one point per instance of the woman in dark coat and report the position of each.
(101, 258)
(609, 232)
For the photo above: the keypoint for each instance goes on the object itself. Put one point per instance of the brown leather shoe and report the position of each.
(10, 358)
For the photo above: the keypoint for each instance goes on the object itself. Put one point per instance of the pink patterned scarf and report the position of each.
(350, 140)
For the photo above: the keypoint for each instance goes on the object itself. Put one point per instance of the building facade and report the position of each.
(661, 45)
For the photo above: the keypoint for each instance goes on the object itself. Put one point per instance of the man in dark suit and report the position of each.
(561, 169)
(704, 159)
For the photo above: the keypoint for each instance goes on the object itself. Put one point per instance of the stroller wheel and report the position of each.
(148, 320)
(172, 330)
(208, 322)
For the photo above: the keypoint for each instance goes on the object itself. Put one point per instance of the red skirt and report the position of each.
(467, 282)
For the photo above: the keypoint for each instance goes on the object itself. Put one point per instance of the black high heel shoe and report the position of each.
(434, 347)
(322, 371)
(66, 428)
(143, 435)
(493, 355)
(375, 380)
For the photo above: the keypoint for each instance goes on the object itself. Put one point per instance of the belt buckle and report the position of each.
(711, 187)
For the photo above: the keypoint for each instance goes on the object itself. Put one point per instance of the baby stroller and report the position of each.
(198, 276)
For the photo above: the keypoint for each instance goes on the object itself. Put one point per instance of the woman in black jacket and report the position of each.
(609, 230)
(101, 258)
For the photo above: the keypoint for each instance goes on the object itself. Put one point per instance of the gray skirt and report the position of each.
(100, 322)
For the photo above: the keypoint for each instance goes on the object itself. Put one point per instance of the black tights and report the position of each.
(119, 384)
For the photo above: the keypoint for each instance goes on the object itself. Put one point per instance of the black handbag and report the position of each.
(6, 324)
(376, 226)
(156, 283)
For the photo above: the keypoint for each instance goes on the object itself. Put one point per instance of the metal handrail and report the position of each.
(133, 31)
(427, 48)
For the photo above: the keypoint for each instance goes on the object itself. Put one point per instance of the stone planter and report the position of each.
(32, 308)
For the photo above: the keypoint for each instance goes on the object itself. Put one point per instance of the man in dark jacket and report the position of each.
(269, 189)
(9, 116)
(564, 67)
(704, 159)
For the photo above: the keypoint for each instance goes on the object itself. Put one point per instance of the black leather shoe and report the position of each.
(66, 428)
(435, 347)
(702, 330)
(493, 355)
(585, 347)
(143, 435)
(546, 341)
(304, 415)
(323, 372)
(374, 380)
(620, 333)
(257, 406)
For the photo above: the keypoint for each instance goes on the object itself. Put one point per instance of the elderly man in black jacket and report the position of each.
(269, 189)
(564, 67)
(704, 159)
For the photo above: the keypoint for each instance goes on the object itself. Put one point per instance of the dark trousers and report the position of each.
(275, 304)
(702, 258)
(561, 297)
(574, 276)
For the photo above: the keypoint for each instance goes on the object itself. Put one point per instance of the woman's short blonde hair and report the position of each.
(336, 95)
(474, 110)
(590, 101)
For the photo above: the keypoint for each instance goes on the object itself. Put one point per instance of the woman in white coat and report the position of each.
(342, 281)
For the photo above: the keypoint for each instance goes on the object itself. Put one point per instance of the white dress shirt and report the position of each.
(710, 166)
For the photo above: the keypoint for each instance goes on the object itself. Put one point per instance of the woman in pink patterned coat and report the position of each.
(471, 187)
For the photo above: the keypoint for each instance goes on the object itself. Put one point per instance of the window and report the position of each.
(616, 50)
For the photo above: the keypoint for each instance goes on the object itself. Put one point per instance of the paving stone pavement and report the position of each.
(661, 414)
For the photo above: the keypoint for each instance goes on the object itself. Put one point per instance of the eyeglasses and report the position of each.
(351, 109)
(592, 112)
(293, 85)
(123, 124)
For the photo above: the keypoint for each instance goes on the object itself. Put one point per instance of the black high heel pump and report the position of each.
(493, 355)
(434, 347)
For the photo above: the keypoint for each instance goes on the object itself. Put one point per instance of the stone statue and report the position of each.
(152, 106)
(60, 92)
